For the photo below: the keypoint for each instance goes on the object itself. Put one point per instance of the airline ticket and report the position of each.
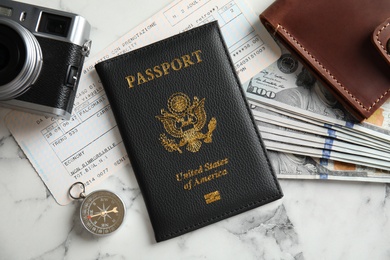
(88, 148)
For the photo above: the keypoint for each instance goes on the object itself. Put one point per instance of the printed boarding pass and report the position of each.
(88, 148)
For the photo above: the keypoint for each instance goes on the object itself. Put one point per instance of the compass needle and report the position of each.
(94, 213)
(103, 213)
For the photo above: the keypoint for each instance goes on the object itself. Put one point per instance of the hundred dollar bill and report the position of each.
(315, 141)
(282, 121)
(287, 145)
(278, 137)
(347, 134)
(287, 86)
(355, 170)
(324, 154)
(292, 166)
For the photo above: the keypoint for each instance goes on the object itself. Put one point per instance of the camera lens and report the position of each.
(20, 59)
(4, 56)
(12, 54)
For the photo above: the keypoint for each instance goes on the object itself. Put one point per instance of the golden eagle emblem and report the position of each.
(185, 121)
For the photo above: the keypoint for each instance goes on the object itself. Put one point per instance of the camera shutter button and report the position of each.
(71, 76)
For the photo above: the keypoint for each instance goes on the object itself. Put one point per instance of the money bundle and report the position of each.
(309, 134)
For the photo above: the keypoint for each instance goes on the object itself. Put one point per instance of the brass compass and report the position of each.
(102, 212)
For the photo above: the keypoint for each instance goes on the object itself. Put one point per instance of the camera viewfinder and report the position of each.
(5, 11)
(54, 24)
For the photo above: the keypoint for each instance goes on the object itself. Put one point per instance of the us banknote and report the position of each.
(298, 161)
(281, 134)
(287, 86)
(324, 143)
(293, 121)
(293, 166)
(325, 154)
(283, 121)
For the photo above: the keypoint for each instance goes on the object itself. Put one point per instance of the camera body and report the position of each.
(42, 52)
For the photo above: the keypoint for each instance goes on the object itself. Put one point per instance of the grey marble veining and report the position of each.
(314, 220)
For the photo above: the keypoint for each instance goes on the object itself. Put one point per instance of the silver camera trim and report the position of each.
(79, 29)
(29, 17)
(78, 37)
(36, 108)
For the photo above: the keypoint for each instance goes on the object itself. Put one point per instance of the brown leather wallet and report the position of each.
(346, 44)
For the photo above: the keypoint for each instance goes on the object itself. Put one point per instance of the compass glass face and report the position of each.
(102, 212)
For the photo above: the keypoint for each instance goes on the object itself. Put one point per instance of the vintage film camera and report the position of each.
(41, 56)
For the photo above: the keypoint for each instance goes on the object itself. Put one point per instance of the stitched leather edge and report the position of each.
(333, 77)
(386, 26)
(251, 204)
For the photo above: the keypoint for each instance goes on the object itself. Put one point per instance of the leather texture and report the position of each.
(50, 89)
(334, 40)
(208, 180)
(381, 39)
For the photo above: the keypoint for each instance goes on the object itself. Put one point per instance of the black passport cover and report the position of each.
(187, 128)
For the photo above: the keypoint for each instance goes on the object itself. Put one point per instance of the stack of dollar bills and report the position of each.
(309, 134)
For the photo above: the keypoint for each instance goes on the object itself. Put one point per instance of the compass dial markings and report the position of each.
(99, 219)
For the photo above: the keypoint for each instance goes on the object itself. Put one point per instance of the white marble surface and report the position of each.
(314, 220)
